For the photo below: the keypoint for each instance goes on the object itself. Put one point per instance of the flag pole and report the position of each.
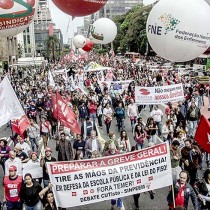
(56, 97)
(172, 187)
(10, 124)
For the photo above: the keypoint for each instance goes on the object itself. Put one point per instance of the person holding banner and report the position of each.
(48, 158)
(48, 199)
(182, 193)
(115, 202)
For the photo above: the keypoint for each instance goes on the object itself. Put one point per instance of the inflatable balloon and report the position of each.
(88, 46)
(103, 31)
(176, 30)
(79, 41)
(82, 51)
(79, 8)
(15, 16)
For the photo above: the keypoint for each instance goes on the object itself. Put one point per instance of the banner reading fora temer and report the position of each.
(83, 182)
(159, 94)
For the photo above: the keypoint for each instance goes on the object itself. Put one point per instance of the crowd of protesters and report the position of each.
(96, 105)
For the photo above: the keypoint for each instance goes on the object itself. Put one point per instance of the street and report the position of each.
(145, 202)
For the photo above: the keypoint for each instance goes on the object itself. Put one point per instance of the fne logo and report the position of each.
(169, 24)
(144, 92)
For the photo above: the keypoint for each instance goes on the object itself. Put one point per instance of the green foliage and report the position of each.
(52, 46)
(20, 50)
(132, 30)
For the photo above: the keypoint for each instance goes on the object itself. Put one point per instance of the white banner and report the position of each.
(9, 103)
(50, 79)
(159, 95)
(33, 168)
(83, 182)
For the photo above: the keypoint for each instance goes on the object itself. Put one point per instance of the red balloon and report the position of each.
(88, 46)
(6, 4)
(31, 2)
(79, 8)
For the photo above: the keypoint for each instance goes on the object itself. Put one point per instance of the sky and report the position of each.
(64, 22)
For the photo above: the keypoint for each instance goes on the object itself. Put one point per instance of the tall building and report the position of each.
(32, 41)
(8, 52)
(43, 17)
(118, 7)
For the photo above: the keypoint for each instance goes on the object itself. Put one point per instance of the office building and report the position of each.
(118, 7)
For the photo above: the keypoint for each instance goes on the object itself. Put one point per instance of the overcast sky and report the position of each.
(61, 20)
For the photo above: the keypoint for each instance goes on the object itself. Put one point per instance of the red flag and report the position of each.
(51, 31)
(20, 125)
(64, 114)
(202, 135)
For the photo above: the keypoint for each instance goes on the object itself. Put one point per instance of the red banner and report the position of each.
(20, 125)
(202, 135)
(64, 114)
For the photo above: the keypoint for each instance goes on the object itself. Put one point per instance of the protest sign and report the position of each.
(159, 94)
(83, 182)
(33, 168)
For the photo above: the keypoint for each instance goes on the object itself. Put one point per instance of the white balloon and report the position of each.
(15, 17)
(103, 31)
(81, 51)
(178, 30)
(79, 41)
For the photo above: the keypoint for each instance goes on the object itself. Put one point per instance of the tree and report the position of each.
(52, 47)
(132, 30)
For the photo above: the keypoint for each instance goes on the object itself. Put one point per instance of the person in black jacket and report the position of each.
(202, 189)
(29, 193)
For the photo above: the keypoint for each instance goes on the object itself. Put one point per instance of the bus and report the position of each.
(132, 55)
(202, 62)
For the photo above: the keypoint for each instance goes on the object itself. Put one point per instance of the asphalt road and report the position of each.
(159, 202)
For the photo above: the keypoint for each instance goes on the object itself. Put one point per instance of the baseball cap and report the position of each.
(12, 168)
(48, 149)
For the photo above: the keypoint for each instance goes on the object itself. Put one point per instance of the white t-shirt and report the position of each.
(94, 145)
(16, 162)
(26, 148)
(107, 112)
(156, 115)
(132, 110)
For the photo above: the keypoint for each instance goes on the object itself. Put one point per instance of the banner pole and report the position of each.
(10, 124)
(172, 187)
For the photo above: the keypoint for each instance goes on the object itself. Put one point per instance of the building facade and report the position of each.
(118, 7)
(32, 41)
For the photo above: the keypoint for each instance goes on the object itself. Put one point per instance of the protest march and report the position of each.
(117, 117)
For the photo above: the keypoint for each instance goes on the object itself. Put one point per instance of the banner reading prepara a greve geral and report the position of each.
(83, 182)
(159, 94)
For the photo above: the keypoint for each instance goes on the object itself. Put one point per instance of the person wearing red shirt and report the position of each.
(92, 108)
(182, 192)
(12, 185)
